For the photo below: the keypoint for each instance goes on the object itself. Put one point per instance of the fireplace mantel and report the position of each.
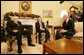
(29, 22)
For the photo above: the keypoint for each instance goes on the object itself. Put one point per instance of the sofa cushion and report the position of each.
(79, 26)
(79, 34)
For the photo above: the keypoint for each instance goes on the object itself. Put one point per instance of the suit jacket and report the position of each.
(74, 16)
(38, 26)
(13, 26)
(81, 18)
(69, 27)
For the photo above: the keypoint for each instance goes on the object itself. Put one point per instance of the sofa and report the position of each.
(79, 30)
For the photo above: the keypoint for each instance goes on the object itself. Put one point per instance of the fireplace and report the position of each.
(29, 27)
(29, 23)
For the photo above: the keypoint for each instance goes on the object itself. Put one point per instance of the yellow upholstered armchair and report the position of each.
(79, 30)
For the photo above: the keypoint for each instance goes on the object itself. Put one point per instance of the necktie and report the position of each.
(66, 22)
(17, 24)
(41, 25)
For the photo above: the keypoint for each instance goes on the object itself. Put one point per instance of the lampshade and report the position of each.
(64, 12)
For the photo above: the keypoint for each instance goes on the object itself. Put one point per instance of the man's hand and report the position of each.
(77, 17)
(25, 29)
(42, 29)
(15, 30)
(63, 31)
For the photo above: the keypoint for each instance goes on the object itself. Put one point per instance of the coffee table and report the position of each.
(63, 46)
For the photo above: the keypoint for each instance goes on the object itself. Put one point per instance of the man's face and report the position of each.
(76, 10)
(65, 17)
(15, 19)
(39, 19)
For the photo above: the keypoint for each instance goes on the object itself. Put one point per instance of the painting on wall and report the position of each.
(25, 6)
(47, 13)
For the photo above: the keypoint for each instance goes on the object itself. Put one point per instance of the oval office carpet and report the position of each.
(38, 49)
(25, 48)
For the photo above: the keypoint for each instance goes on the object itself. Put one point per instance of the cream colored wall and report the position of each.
(49, 5)
(55, 6)
(38, 7)
(7, 6)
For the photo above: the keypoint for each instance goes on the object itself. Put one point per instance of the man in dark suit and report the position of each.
(77, 14)
(67, 29)
(14, 28)
(81, 17)
(41, 28)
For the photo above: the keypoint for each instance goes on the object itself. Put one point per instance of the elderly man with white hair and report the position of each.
(67, 28)
(14, 28)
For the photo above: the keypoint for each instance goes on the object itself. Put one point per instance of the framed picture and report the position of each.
(25, 6)
(47, 13)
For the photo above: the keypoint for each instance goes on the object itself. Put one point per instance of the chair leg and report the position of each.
(10, 43)
(49, 39)
(36, 38)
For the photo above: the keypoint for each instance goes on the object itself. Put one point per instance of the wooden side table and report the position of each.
(57, 28)
(50, 26)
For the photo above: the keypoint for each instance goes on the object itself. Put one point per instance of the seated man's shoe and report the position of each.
(45, 41)
(40, 43)
(10, 49)
(68, 37)
(31, 44)
(19, 51)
